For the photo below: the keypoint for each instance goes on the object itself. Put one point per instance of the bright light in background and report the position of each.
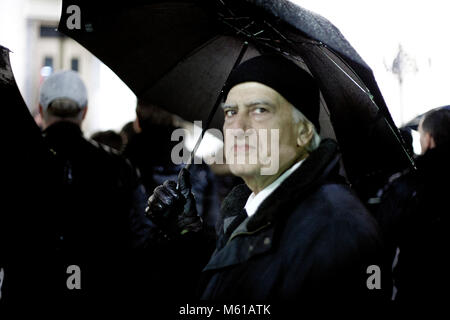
(46, 71)
(377, 30)
(114, 103)
(210, 145)
(416, 142)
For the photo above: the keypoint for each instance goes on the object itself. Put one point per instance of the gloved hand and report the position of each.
(172, 208)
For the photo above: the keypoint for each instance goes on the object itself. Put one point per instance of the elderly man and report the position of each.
(298, 232)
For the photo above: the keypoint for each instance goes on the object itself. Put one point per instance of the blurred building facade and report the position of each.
(28, 29)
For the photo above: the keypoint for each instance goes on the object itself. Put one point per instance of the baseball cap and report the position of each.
(63, 84)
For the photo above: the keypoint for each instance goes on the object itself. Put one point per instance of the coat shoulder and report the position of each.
(334, 207)
(339, 202)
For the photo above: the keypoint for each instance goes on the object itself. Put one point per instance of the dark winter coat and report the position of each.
(81, 217)
(310, 240)
(78, 213)
(94, 193)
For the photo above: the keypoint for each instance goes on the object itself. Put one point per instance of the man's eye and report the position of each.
(230, 113)
(260, 110)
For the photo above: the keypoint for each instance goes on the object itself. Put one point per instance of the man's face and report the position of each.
(254, 115)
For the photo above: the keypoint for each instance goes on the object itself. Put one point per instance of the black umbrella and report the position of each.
(178, 54)
(28, 137)
(24, 146)
(26, 170)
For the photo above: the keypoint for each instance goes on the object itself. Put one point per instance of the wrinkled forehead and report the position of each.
(252, 92)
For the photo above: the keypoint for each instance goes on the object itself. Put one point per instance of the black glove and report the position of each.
(172, 208)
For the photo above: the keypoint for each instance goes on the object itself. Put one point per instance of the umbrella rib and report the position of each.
(277, 32)
(255, 39)
(307, 41)
(259, 32)
(263, 41)
(228, 9)
(411, 160)
(378, 108)
(243, 29)
(348, 76)
(234, 18)
(249, 24)
(348, 66)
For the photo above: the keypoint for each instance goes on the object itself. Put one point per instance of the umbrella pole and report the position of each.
(216, 105)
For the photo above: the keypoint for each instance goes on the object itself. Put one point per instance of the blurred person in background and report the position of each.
(127, 132)
(173, 269)
(150, 152)
(94, 196)
(108, 138)
(414, 216)
(378, 181)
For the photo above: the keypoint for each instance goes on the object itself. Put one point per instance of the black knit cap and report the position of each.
(281, 74)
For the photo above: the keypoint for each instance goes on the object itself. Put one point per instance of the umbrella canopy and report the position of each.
(26, 174)
(177, 54)
(414, 123)
(13, 103)
(25, 144)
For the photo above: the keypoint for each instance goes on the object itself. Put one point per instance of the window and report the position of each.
(74, 64)
(49, 32)
(48, 62)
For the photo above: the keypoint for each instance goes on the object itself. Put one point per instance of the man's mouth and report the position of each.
(242, 148)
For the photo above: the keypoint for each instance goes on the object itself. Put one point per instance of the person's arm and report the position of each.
(172, 207)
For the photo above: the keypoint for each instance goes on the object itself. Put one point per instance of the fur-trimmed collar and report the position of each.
(317, 168)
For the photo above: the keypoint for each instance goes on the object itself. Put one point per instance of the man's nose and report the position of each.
(241, 121)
